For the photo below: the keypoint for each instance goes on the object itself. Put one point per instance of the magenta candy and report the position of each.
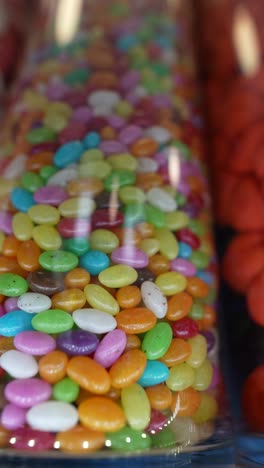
(50, 195)
(2, 310)
(110, 348)
(75, 98)
(131, 256)
(112, 147)
(34, 343)
(130, 80)
(216, 378)
(13, 416)
(6, 222)
(102, 219)
(157, 422)
(31, 439)
(82, 114)
(129, 134)
(74, 227)
(27, 392)
(183, 266)
(161, 100)
(116, 121)
(45, 146)
(56, 91)
(10, 304)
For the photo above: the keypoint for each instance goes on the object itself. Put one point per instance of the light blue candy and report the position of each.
(68, 154)
(94, 261)
(126, 42)
(91, 140)
(206, 276)
(155, 373)
(185, 251)
(15, 322)
(22, 199)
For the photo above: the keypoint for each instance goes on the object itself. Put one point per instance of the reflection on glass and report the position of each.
(246, 41)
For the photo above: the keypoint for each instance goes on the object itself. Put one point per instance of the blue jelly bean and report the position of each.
(22, 199)
(155, 373)
(94, 261)
(91, 140)
(185, 251)
(15, 322)
(126, 42)
(68, 154)
(206, 276)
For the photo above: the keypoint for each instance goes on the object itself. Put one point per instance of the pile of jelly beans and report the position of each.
(107, 269)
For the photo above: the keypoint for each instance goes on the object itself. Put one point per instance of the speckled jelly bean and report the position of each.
(12, 285)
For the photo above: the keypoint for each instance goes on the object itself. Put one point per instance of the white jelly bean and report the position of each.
(63, 177)
(102, 111)
(154, 299)
(160, 134)
(104, 98)
(34, 303)
(94, 320)
(52, 416)
(146, 165)
(161, 199)
(19, 365)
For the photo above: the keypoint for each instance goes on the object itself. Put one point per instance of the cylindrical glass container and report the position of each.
(108, 273)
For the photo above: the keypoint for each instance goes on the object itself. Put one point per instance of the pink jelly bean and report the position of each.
(10, 304)
(34, 343)
(2, 310)
(110, 348)
(82, 114)
(74, 227)
(56, 91)
(27, 392)
(183, 266)
(157, 422)
(129, 255)
(50, 195)
(6, 222)
(13, 416)
(129, 134)
(116, 121)
(130, 80)
(162, 100)
(112, 147)
(31, 440)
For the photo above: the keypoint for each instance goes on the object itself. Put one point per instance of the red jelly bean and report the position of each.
(185, 328)
(25, 438)
(74, 227)
(187, 236)
(105, 219)
(157, 422)
(74, 131)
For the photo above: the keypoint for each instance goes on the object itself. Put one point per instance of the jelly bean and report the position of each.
(77, 342)
(45, 282)
(69, 300)
(89, 374)
(92, 155)
(185, 328)
(100, 169)
(199, 259)
(6, 343)
(65, 390)
(123, 161)
(168, 243)
(12, 285)
(157, 422)
(46, 237)
(159, 396)
(128, 368)
(44, 214)
(199, 351)
(79, 439)
(22, 436)
(161, 200)
(130, 256)
(186, 402)
(178, 352)
(149, 246)
(27, 392)
(157, 341)
(53, 366)
(109, 98)
(77, 278)
(131, 194)
(110, 348)
(73, 227)
(154, 373)
(154, 216)
(22, 199)
(164, 438)
(103, 240)
(145, 230)
(154, 299)
(31, 181)
(28, 255)
(38, 160)
(203, 376)
(35, 343)
(196, 312)
(144, 147)
(95, 262)
(118, 276)
(133, 342)
(13, 417)
(207, 410)
(101, 299)
(50, 195)
(58, 260)
(197, 288)
(119, 178)
(133, 214)
(85, 187)
(136, 406)
(129, 134)
(94, 320)
(146, 165)
(22, 226)
(52, 416)
(179, 306)
(18, 364)
(10, 246)
(101, 414)
(135, 320)
(159, 264)
(52, 321)
(11, 304)
(181, 377)
(177, 220)
(9, 265)
(171, 283)
(106, 218)
(63, 177)
(6, 222)
(68, 154)
(76, 245)
(188, 237)
(128, 440)
(39, 135)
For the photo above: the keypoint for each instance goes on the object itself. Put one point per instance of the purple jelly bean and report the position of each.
(129, 255)
(6, 222)
(82, 114)
(34, 343)
(110, 348)
(27, 392)
(77, 342)
(116, 121)
(112, 147)
(10, 304)
(129, 134)
(183, 266)
(210, 339)
(50, 195)
(13, 416)
(130, 80)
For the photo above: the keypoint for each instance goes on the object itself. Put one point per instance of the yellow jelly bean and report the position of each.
(129, 194)
(181, 377)
(171, 283)
(207, 410)
(55, 121)
(77, 207)
(199, 351)
(99, 169)
(47, 237)
(22, 226)
(44, 214)
(136, 406)
(103, 240)
(69, 299)
(35, 101)
(6, 186)
(101, 299)
(93, 154)
(168, 243)
(118, 276)
(124, 108)
(123, 161)
(203, 376)
(60, 108)
(2, 238)
(149, 246)
(176, 220)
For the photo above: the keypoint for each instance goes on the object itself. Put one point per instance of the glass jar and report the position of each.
(110, 337)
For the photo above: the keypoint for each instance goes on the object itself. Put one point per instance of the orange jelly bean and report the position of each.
(10, 246)
(136, 320)
(209, 318)
(4, 437)
(10, 265)
(145, 230)
(128, 296)
(179, 306)
(159, 264)
(6, 343)
(77, 278)
(133, 342)
(89, 374)
(28, 254)
(197, 287)
(186, 402)
(83, 395)
(108, 133)
(128, 368)
(69, 300)
(149, 180)
(160, 397)
(52, 367)
(86, 186)
(80, 439)
(144, 147)
(101, 414)
(127, 236)
(178, 352)
(39, 160)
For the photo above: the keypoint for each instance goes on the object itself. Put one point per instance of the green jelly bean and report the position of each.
(12, 285)
(100, 169)
(99, 298)
(181, 377)
(52, 321)
(150, 246)
(58, 260)
(134, 213)
(47, 171)
(93, 154)
(155, 216)
(200, 259)
(119, 178)
(103, 240)
(129, 194)
(168, 243)
(176, 220)
(136, 406)
(127, 439)
(196, 312)
(66, 390)
(182, 148)
(203, 376)
(118, 276)
(157, 341)
(31, 181)
(160, 68)
(197, 227)
(76, 245)
(164, 438)
(199, 351)
(180, 199)
(40, 135)
(76, 76)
